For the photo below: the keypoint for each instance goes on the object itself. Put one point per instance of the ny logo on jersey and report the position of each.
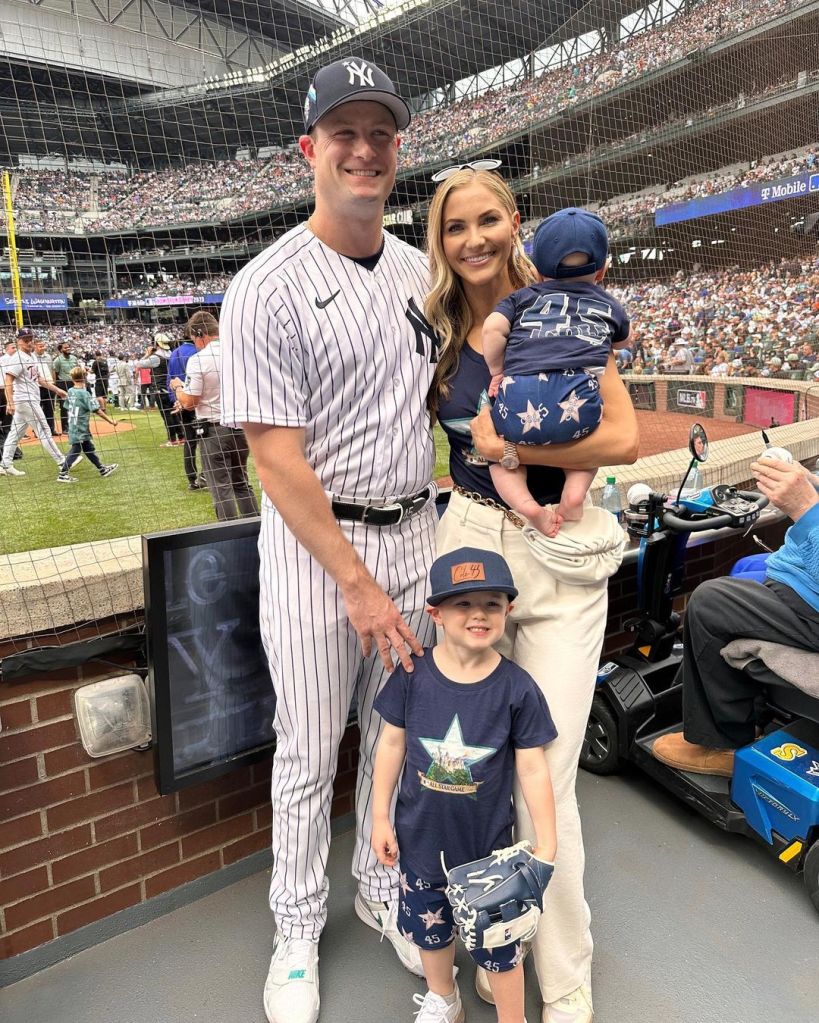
(422, 328)
(359, 70)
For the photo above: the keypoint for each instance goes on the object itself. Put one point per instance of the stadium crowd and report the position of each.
(762, 322)
(227, 190)
(214, 284)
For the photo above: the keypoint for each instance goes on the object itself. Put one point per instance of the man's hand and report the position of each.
(375, 617)
(484, 436)
(383, 842)
(785, 484)
(10, 408)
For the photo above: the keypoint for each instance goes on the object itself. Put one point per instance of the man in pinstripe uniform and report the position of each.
(326, 364)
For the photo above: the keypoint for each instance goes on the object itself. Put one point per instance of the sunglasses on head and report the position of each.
(476, 165)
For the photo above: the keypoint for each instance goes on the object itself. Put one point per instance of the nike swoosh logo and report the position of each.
(327, 301)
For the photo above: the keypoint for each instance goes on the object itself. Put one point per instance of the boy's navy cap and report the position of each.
(570, 230)
(348, 80)
(469, 570)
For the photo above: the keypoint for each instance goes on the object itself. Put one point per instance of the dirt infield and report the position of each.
(99, 428)
(665, 431)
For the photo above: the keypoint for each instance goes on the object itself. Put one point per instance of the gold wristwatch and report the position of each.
(509, 459)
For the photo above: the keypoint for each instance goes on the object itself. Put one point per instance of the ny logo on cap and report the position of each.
(468, 571)
(361, 71)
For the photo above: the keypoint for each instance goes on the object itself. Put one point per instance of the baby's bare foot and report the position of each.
(544, 520)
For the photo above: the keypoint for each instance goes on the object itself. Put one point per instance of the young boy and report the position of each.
(80, 404)
(461, 726)
(546, 346)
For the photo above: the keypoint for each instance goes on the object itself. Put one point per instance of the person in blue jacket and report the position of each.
(719, 701)
(177, 365)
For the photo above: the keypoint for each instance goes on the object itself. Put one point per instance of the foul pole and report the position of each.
(15, 270)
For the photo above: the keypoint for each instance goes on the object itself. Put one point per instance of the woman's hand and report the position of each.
(383, 842)
(484, 437)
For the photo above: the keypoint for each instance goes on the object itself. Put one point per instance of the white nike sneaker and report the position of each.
(383, 917)
(435, 1009)
(10, 470)
(291, 991)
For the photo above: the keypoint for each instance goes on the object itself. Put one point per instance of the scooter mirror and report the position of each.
(698, 442)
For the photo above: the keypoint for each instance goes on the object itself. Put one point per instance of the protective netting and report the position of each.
(151, 151)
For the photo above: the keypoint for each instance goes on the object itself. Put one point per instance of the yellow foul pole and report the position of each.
(15, 270)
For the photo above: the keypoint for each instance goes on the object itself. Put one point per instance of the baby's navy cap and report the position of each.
(567, 231)
(469, 570)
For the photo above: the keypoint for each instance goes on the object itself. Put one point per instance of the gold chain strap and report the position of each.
(489, 502)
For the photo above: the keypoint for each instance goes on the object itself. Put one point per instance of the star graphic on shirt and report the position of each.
(504, 382)
(404, 885)
(571, 407)
(532, 417)
(453, 747)
(431, 919)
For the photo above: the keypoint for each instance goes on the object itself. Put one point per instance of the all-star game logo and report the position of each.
(452, 759)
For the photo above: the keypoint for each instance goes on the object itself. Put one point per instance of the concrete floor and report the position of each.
(690, 926)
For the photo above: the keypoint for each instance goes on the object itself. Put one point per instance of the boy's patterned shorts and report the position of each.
(550, 408)
(425, 919)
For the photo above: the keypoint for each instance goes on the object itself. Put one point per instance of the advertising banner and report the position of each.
(758, 194)
(768, 408)
(692, 399)
(35, 303)
(151, 302)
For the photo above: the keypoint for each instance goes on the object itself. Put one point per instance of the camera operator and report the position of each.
(224, 450)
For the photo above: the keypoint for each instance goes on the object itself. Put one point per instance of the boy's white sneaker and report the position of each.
(575, 1007)
(291, 991)
(435, 1009)
(383, 917)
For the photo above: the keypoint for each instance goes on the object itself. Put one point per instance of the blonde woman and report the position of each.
(556, 630)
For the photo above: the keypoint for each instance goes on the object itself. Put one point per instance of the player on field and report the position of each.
(326, 363)
(80, 404)
(22, 384)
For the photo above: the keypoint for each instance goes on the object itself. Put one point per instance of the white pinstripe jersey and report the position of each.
(312, 339)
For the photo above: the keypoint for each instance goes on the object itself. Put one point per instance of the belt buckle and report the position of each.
(365, 515)
(416, 503)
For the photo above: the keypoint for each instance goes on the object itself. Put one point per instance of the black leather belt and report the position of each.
(383, 514)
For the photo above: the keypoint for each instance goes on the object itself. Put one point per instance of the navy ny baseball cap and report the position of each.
(349, 80)
(25, 334)
(570, 230)
(469, 570)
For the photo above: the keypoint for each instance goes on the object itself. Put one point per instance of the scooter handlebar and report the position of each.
(715, 519)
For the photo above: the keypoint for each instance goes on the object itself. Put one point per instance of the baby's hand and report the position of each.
(494, 385)
(384, 844)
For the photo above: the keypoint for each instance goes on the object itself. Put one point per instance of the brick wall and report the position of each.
(81, 839)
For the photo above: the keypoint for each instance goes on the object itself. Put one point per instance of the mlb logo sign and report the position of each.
(691, 399)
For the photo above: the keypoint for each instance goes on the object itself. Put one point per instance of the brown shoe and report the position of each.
(674, 750)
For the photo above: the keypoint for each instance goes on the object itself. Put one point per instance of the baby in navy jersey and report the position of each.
(457, 731)
(546, 347)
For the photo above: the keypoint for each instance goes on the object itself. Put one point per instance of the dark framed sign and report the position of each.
(212, 702)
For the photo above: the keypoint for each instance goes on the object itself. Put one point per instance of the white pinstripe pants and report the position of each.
(317, 668)
(29, 414)
(555, 633)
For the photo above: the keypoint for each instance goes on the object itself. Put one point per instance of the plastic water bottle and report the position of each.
(610, 498)
(693, 485)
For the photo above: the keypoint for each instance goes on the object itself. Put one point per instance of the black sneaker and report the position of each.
(65, 478)
(197, 484)
(106, 470)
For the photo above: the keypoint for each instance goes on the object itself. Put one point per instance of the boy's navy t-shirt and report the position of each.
(455, 794)
(561, 325)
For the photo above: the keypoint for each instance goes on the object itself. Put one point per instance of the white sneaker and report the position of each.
(435, 1009)
(10, 470)
(383, 917)
(575, 1007)
(291, 991)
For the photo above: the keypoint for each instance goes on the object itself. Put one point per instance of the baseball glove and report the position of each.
(498, 900)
